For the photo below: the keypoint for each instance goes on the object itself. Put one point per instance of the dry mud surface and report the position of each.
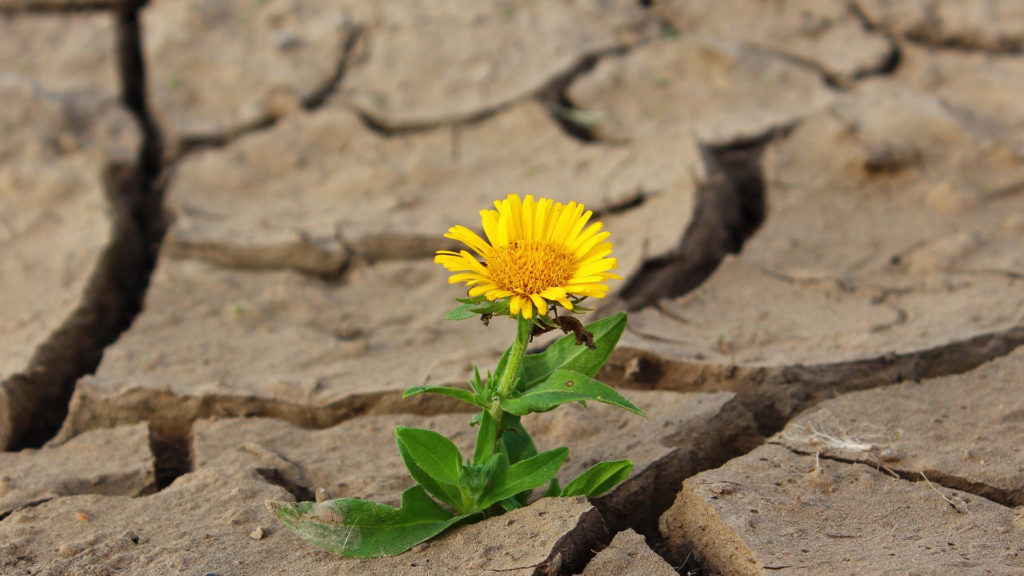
(216, 230)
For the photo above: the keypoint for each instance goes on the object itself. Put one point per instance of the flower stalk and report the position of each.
(507, 380)
(515, 357)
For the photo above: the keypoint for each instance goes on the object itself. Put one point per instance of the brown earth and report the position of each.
(817, 207)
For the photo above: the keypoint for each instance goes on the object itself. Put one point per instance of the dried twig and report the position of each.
(952, 503)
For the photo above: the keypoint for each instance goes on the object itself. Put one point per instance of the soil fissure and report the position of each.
(730, 208)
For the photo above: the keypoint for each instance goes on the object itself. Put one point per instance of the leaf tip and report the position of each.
(285, 511)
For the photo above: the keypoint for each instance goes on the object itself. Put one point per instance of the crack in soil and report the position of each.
(575, 122)
(773, 394)
(61, 7)
(571, 553)
(890, 65)
(730, 208)
(572, 120)
(656, 486)
(924, 34)
(39, 397)
(350, 45)
(837, 81)
(31, 504)
(1007, 46)
(170, 418)
(277, 478)
(147, 198)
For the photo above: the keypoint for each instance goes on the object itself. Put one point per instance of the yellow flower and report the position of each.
(536, 252)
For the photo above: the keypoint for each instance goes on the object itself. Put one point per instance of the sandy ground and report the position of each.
(217, 221)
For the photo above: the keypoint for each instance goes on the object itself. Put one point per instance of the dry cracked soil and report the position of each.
(216, 228)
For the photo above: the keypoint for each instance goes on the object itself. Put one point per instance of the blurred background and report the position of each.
(230, 207)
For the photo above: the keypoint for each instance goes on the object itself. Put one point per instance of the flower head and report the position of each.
(536, 252)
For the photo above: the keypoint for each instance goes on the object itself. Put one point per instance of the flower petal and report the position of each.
(529, 214)
(563, 223)
(503, 227)
(584, 236)
(514, 209)
(539, 302)
(489, 219)
(454, 263)
(544, 220)
(468, 277)
(592, 289)
(514, 304)
(593, 241)
(554, 293)
(469, 238)
(559, 295)
(596, 267)
(527, 309)
(577, 280)
(597, 252)
(577, 226)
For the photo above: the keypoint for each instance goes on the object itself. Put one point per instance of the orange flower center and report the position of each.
(529, 267)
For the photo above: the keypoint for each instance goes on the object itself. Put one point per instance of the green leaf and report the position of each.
(486, 436)
(457, 393)
(435, 454)
(565, 386)
(476, 383)
(471, 307)
(553, 489)
(461, 312)
(496, 308)
(434, 462)
(510, 504)
(598, 479)
(497, 461)
(474, 481)
(518, 443)
(474, 300)
(492, 382)
(363, 529)
(566, 354)
(524, 476)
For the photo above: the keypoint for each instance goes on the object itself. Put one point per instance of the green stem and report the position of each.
(496, 413)
(508, 378)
